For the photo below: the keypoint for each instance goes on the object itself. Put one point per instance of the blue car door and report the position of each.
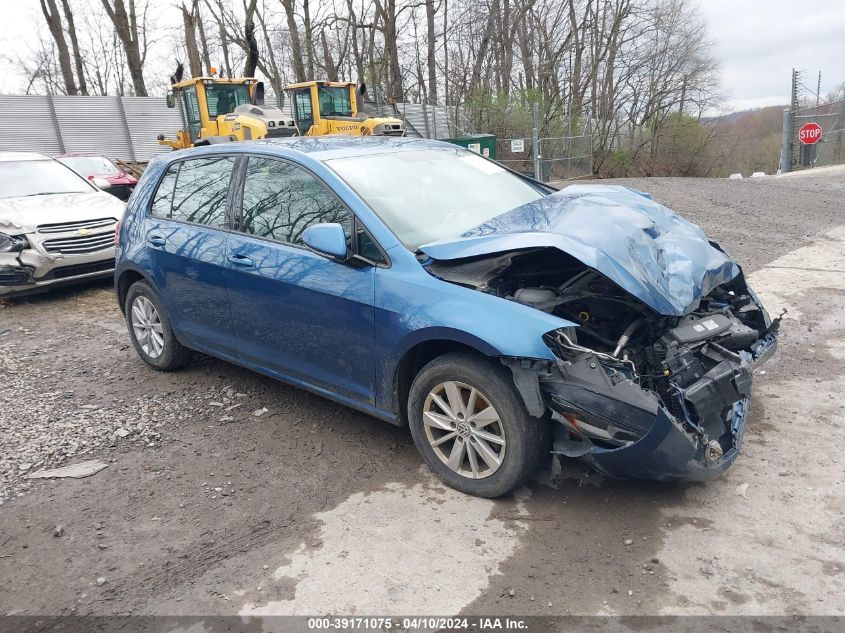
(296, 313)
(186, 234)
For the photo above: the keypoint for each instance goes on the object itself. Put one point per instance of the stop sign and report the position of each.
(810, 133)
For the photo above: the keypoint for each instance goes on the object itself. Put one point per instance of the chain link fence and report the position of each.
(553, 158)
(516, 154)
(829, 149)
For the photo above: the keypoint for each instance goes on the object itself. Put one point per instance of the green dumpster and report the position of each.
(484, 144)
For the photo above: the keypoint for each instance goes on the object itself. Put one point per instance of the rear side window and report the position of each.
(281, 200)
(195, 191)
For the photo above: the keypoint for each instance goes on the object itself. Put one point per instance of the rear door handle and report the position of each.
(156, 240)
(241, 260)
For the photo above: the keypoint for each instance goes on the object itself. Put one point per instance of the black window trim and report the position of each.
(229, 195)
(236, 199)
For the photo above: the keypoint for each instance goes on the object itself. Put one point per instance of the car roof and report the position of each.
(319, 148)
(79, 155)
(16, 157)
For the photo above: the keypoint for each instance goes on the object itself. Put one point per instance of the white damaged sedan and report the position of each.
(56, 227)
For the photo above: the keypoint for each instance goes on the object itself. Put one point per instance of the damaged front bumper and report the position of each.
(694, 434)
(30, 271)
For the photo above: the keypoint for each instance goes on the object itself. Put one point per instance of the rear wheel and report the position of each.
(150, 330)
(471, 427)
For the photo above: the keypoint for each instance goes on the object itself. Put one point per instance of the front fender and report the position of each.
(414, 308)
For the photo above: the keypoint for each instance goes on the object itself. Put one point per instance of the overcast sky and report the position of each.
(757, 41)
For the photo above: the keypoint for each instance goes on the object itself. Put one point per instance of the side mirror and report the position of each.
(258, 95)
(327, 239)
(171, 100)
(100, 183)
(362, 89)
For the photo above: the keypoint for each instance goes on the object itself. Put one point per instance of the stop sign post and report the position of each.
(810, 133)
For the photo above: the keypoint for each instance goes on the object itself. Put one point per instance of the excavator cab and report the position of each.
(331, 107)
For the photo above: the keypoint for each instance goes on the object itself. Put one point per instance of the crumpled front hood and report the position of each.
(647, 249)
(23, 215)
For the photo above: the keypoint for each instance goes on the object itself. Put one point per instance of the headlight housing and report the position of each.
(12, 243)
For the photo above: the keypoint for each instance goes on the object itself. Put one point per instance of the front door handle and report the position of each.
(241, 260)
(156, 240)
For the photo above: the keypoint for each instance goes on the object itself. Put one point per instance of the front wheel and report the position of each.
(471, 427)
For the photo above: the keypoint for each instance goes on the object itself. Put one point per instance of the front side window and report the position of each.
(223, 99)
(281, 200)
(195, 191)
(334, 101)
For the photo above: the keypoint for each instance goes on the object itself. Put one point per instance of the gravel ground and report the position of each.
(207, 507)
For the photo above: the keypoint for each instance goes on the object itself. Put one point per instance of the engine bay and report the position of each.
(696, 366)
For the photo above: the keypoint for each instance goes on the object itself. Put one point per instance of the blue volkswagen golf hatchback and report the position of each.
(508, 324)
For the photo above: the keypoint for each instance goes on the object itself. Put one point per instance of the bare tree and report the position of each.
(299, 70)
(74, 42)
(250, 42)
(125, 22)
(54, 23)
(189, 22)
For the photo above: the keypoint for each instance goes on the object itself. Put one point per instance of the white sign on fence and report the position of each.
(517, 145)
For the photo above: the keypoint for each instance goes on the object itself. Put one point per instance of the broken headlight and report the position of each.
(12, 243)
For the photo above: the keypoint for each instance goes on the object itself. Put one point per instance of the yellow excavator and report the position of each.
(217, 110)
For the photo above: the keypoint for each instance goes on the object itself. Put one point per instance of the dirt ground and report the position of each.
(207, 508)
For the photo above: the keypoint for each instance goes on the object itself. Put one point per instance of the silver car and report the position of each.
(56, 227)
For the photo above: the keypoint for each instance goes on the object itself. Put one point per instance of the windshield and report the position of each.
(223, 99)
(334, 101)
(428, 195)
(38, 178)
(90, 165)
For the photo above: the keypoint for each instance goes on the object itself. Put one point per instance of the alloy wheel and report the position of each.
(146, 324)
(464, 429)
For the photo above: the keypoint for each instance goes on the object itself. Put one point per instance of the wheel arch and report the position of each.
(124, 281)
(421, 352)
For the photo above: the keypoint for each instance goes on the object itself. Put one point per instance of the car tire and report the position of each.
(522, 441)
(145, 314)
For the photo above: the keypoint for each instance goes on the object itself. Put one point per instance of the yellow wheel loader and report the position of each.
(331, 107)
(216, 110)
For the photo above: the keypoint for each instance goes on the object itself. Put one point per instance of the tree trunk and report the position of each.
(432, 43)
(475, 80)
(206, 58)
(126, 27)
(328, 62)
(276, 80)
(295, 44)
(251, 47)
(54, 23)
(194, 63)
(387, 11)
(357, 53)
(77, 55)
(309, 41)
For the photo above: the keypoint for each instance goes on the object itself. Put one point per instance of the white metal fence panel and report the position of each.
(27, 124)
(148, 117)
(92, 124)
(118, 127)
(427, 120)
